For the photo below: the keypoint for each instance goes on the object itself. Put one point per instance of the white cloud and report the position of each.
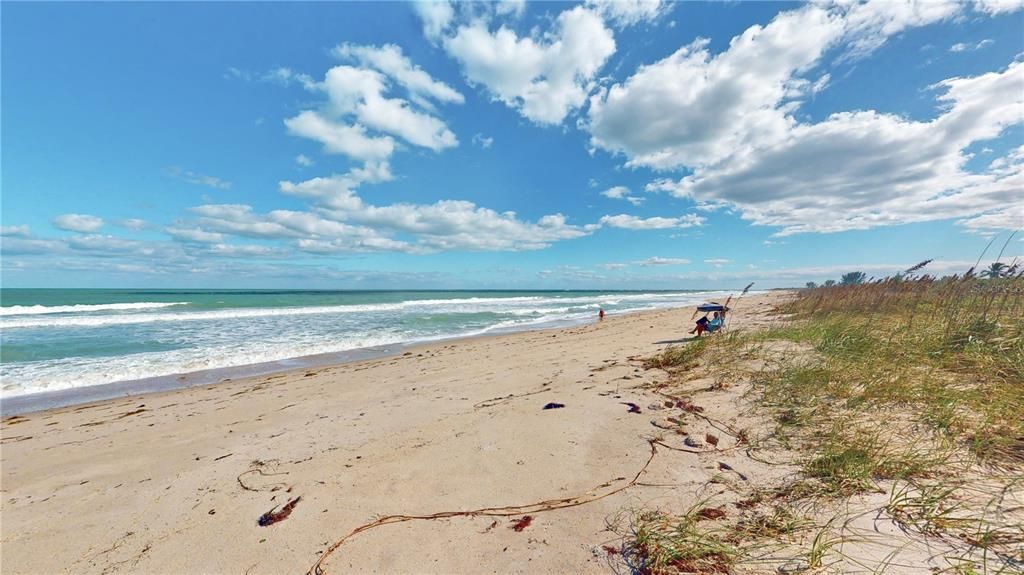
(18, 246)
(436, 16)
(622, 193)
(870, 24)
(338, 138)
(342, 222)
(657, 261)
(483, 141)
(240, 220)
(962, 47)
(356, 101)
(194, 235)
(20, 231)
(649, 262)
(82, 223)
(694, 108)
(304, 160)
(247, 251)
(388, 59)
(285, 76)
(997, 7)
(617, 192)
(514, 8)
(197, 178)
(717, 262)
(630, 222)
(543, 76)
(857, 170)
(337, 191)
(630, 12)
(134, 224)
(729, 118)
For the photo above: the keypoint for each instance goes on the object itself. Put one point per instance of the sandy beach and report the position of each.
(176, 482)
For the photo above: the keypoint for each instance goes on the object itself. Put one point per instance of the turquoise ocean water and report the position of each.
(56, 339)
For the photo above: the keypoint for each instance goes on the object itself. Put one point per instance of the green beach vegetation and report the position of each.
(901, 398)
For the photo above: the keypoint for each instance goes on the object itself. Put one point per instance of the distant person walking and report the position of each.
(600, 314)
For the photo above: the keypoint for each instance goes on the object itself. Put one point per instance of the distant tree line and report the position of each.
(995, 270)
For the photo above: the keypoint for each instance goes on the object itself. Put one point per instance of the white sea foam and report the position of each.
(84, 308)
(241, 336)
(464, 305)
(35, 377)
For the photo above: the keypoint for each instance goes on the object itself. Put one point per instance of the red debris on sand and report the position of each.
(271, 517)
(523, 523)
(610, 550)
(689, 406)
(711, 439)
(711, 513)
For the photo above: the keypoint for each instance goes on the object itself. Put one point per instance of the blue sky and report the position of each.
(635, 144)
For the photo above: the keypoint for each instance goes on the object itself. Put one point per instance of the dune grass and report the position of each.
(658, 543)
(904, 385)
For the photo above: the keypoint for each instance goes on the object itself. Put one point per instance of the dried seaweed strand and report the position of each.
(549, 505)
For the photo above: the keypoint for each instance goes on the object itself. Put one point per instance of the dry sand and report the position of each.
(175, 482)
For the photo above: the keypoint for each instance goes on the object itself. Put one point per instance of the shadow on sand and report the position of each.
(684, 340)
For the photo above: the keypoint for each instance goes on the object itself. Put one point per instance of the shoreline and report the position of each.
(123, 485)
(76, 396)
(42, 399)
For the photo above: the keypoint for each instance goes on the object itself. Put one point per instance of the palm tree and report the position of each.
(811, 285)
(995, 270)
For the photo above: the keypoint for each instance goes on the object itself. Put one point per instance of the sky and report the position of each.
(638, 144)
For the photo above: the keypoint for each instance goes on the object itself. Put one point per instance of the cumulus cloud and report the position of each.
(857, 170)
(617, 192)
(304, 160)
(356, 226)
(630, 222)
(868, 25)
(357, 102)
(81, 223)
(717, 262)
(483, 141)
(389, 60)
(339, 138)
(729, 119)
(543, 76)
(629, 12)
(997, 7)
(513, 8)
(622, 193)
(443, 225)
(436, 15)
(693, 108)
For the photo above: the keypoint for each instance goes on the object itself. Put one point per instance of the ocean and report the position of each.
(60, 339)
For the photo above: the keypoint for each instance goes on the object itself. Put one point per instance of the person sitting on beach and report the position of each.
(716, 322)
(702, 324)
